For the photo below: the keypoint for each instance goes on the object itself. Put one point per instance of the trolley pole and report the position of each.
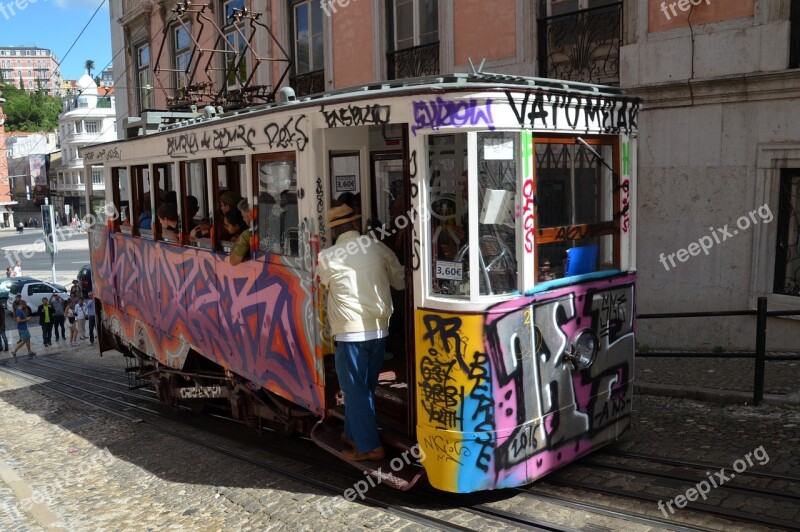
(761, 351)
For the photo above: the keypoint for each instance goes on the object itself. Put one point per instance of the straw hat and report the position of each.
(341, 215)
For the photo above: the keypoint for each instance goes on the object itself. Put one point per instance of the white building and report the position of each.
(88, 118)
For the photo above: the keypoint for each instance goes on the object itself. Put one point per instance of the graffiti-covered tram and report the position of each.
(510, 202)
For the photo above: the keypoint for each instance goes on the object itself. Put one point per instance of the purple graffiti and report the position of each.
(439, 113)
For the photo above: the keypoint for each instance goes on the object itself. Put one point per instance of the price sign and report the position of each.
(453, 271)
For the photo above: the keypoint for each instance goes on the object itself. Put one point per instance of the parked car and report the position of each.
(85, 279)
(7, 283)
(32, 291)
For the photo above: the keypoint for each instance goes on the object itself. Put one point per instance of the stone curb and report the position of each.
(713, 396)
(23, 492)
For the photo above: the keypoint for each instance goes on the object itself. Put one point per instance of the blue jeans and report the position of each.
(3, 339)
(358, 365)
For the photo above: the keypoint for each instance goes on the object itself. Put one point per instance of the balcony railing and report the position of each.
(308, 83)
(413, 62)
(582, 46)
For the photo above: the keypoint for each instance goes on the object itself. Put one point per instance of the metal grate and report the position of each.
(133, 370)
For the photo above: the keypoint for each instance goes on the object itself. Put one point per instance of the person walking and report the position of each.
(91, 316)
(358, 271)
(22, 318)
(3, 337)
(73, 327)
(18, 269)
(45, 312)
(80, 317)
(58, 316)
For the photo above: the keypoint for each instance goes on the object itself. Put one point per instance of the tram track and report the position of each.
(49, 382)
(80, 376)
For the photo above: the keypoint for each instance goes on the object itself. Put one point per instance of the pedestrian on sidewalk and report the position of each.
(22, 319)
(91, 315)
(73, 327)
(3, 337)
(80, 316)
(9, 272)
(18, 269)
(58, 316)
(74, 290)
(45, 312)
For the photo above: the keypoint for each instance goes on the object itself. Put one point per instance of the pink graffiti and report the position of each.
(528, 213)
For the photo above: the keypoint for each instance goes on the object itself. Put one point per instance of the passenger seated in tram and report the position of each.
(146, 217)
(235, 225)
(228, 200)
(168, 218)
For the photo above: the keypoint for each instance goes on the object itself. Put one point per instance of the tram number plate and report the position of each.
(449, 270)
(200, 392)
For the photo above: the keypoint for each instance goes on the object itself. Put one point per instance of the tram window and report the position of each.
(167, 192)
(278, 219)
(230, 181)
(121, 198)
(448, 204)
(577, 226)
(197, 213)
(497, 183)
(143, 201)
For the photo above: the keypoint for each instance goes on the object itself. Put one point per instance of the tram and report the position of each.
(510, 201)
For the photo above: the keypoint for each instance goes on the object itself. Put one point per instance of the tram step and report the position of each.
(398, 470)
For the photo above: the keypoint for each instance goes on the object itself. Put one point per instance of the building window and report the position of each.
(787, 257)
(92, 126)
(181, 44)
(97, 175)
(144, 83)
(236, 34)
(413, 35)
(307, 47)
(78, 128)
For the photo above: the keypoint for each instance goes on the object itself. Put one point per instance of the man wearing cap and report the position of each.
(358, 272)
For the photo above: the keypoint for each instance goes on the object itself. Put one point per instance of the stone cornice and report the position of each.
(757, 86)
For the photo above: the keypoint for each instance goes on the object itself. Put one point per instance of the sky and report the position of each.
(55, 24)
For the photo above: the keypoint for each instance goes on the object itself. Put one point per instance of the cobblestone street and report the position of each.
(70, 465)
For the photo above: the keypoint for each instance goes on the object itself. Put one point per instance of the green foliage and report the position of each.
(89, 66)
(30, 111)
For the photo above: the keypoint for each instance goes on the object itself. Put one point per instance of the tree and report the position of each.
(30, 111)
(89, 66)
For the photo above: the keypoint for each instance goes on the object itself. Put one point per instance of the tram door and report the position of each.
(374, 182)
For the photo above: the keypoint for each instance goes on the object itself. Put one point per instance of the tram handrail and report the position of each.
(760, 353)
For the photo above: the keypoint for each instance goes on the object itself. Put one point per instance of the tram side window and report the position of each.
(166, 204)
(497, 183)
(578, 230)
(121, 198)
(143, 202)
(278, 219)
(448, 204)
(229, 173)
(197, 213)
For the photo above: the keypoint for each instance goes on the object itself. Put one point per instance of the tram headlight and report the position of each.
(585, 345)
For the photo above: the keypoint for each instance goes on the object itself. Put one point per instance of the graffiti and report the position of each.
(439, 113)
(528, 213)
(448, 451)
(286, 135)
(580, 112)
(88, 156)
(321, 213)
(357, 115)
(447, 330)
(201, 392)
(481, 394)
(182, 145)
(626, 198)
(440, 399)
(412, 168)
(578, 232)
(231, 139)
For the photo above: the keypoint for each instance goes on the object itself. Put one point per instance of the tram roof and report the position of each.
(390, 88)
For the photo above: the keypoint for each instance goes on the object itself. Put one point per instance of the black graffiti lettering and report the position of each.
(113, 154)
(233, 139)
(412, 165)
(354, 115)
(481, 394)
(182, 145)
(609, 115)
(446, 328)
(439, 399)
(320, 209)
(288, 134)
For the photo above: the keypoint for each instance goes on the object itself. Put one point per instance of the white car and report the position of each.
(32, 292)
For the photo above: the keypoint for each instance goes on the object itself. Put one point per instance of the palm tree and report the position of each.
(89, 66)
